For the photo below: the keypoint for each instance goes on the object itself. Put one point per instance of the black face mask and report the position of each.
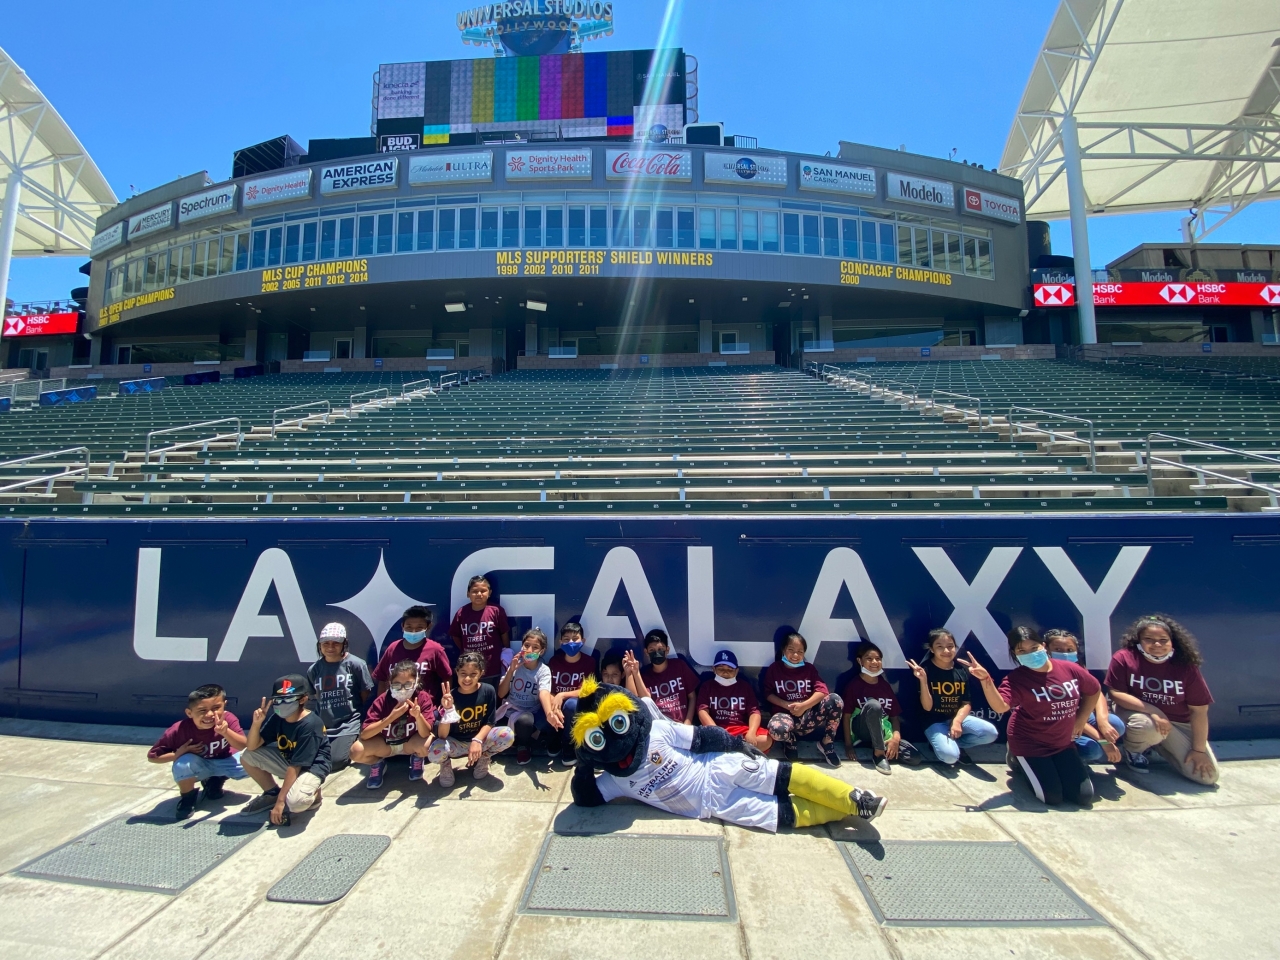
(657, 657)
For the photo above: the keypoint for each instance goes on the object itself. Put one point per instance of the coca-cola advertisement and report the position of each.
(666, 165)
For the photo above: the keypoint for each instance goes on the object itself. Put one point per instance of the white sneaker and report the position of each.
(445, 778)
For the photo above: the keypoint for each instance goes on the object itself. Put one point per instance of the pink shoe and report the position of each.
(445, 777)
(481, 769)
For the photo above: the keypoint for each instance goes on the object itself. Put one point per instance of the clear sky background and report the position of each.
(157, 90)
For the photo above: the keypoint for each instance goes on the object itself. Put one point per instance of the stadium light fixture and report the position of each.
(455, 308)
(536, 305)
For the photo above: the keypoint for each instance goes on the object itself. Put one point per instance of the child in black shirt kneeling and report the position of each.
(286, 740)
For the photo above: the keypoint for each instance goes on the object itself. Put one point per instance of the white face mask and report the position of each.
(726, 681)
(402, 693)
(873, 673)
(1157, 659)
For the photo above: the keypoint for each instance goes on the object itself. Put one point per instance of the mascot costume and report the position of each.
(700, 772)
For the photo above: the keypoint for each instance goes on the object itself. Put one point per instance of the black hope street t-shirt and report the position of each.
(474, 709)
(302, 744)
(950, 690)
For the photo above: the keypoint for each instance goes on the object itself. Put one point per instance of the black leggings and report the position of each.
(867, 727)
(526, 730)
(1061, 776)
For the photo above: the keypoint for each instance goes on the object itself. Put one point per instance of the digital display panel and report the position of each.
(570, 95)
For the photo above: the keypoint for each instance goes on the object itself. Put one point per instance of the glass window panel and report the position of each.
(229, 250)
(750, 230)
(555, 226)
(791, 233)
(904, 244)
(811, 234)
(599, 226)
(939, 249)
(292, 243)
(149, 278)
(954, 263)
(769, 232)
(664, 230)
(448, 229)
(385, 222)
(684, 227)
(640, 233)
(533, 226)
(922, 247)
(707, 229)
(511, 226)
(242, 251)
(830, 237)
(489, 227)
(171, 275)
(728, 229)
(869, 241)
(197, 267)
(970, 255)
(346, 236)
(364, 246)
(850, 238)
(985, 267)
(275, 245)
(621, 227)
(404, 232)
(888, 249)
(577, 226)
(210, 260)
(467, 228)
(426, 229)
(328, 239)
(259, 258)
(184, 264)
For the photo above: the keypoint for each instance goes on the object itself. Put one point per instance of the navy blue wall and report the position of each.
(115, 621)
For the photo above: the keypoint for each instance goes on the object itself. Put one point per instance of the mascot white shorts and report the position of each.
(739, 789)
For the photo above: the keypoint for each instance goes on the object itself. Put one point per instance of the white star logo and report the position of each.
(380, 605)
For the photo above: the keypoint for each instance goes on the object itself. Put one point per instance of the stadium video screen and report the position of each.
(575, 95)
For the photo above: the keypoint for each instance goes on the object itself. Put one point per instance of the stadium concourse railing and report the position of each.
(48, 479)
(201, 442)
(1019, 425)
(1153, 459)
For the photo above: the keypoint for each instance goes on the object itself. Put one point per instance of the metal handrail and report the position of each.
(386, 394)
(1271, 491)
(1093, 450)
(445, 382)
(328, 409)
(39, 388)
(88, 462)
(903, 383)
(239, 435)
(418, 387)
(962, 396)
(811, 366)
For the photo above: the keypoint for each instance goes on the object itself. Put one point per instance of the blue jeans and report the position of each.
(1090, 749)
(974, 732)
(192, 766)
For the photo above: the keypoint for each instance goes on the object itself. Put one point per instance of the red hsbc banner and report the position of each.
(39, 324)
(1172, 294)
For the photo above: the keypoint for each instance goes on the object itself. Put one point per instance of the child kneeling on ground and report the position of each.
(286, 740)
(398, 721)
(203, 748)
(526, 695)
(472, 734)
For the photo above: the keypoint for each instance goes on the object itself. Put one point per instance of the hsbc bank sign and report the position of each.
(662, 165)
(1171, 294)
(40, 324)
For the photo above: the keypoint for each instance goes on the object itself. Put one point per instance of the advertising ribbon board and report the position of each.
(992, 205)
(151, 221)
(548, 164)
(928, 193)
(108, 239)
(758, 171)
(673, 166)
(451, 168)
(353, 177)
(219, 200)
(40, 324)
(276, 188)
(837, 178)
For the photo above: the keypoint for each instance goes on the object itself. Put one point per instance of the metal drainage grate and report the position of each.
(144, 853)
(959, 883)
(330, 870)
(632, 876)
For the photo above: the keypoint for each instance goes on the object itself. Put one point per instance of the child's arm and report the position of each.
(277, 812)
(553, 715)
(705, 718)
(631, 674)
(475, 749)
(254, 738)
(692, 712)
(189, 747)
(504, 685)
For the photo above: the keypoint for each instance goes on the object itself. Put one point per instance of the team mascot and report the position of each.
(700, 772)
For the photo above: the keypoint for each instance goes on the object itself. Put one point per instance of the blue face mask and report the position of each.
(1073, 657)
(1034, 660)
(793, 666)
(571, 647)
(414, 636)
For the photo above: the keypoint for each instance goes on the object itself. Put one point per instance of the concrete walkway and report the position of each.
(1177, 870)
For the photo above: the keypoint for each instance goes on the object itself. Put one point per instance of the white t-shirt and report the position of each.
(670, 778)
(525, 686)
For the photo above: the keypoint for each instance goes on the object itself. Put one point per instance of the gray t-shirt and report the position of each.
(339, 693)
(525, 685)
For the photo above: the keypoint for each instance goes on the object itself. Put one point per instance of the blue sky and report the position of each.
(157, 90)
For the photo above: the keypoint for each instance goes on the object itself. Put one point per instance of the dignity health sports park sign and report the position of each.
(174, 604)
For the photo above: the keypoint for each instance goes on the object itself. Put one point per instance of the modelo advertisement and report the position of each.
(670, 166)
(171, 605)
(928, 193)
(737, 168)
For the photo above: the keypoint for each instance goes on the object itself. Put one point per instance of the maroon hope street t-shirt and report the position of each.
(792, 684)
(481, 631)
(728, 706)
(1045, 706)
(1173, 687)
(569, 676)
(405, 726)
(857, 692)
(670, 689)
(432, 661)
(213, 746)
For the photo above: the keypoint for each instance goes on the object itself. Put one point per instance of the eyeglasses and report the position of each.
(284, 701)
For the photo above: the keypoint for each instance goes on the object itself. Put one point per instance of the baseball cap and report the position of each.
(725, 658)
(292, 685)
(333, 631)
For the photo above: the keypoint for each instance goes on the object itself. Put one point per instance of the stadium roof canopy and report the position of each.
(62, 191)
(1175, 103)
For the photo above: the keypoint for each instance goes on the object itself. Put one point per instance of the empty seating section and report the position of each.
(666, 441)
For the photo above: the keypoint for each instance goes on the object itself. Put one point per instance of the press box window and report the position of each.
(489, 227)
(750, 230)
(811, 234)
(790, 232)
(830, 237)
(467, 228)
(577, 226)
(448, 229)
(707, 229)
(364, 243)
(555, 226)
(769, 232)
(665, 231)
(533, 226)
(684, 228)
(308, 241)
(292, 243)
(728, 229)
(511, 226)
(426, 229)
(641, 219)
(346, 236)
(404, 232)
(621, 228)
(599, 226)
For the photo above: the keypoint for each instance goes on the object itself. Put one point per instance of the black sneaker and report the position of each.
(829, 757)
(869, 805)
(187, 804)
(1137, 762)
(568, 758)
(792, 753)
(213, 787)
(965, 759)
(261, 802)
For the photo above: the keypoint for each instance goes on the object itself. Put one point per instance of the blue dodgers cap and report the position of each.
(725, 658)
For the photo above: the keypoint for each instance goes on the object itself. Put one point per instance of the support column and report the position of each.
(705, 337)
(825, 328)
(359, 339)
(531, 338)
(1079, 230)
(251, 340)
(8, 225)
(95, 351)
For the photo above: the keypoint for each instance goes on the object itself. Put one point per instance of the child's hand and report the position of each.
(630, 665)
(917, 671)
(446, 696)
(416, 711)
(220, 724)
(260, 714)
(277, 812)
(189, 747)
(474, 750)
(401, 708)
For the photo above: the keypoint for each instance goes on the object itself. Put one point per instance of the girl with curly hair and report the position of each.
(1155, 681)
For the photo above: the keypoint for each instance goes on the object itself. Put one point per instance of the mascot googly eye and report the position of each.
(595, 739)
(619, 723)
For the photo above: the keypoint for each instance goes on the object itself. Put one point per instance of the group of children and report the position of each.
(418, 704)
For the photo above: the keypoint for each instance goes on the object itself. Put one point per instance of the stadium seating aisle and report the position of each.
(575, 441)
